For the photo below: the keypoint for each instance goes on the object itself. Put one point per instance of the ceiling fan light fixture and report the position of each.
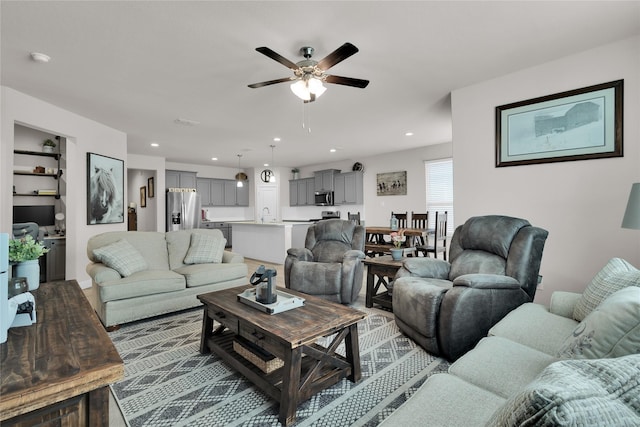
(300, 89)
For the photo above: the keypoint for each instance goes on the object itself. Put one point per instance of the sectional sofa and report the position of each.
(575, 363)
(137, 274)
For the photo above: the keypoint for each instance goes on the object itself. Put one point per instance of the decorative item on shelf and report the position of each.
(59, 225)
(24, 252)
(48, 146)
(357, 167)
(296, 173)
(38, 169)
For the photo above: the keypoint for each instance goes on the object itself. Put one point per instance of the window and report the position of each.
(439, 175)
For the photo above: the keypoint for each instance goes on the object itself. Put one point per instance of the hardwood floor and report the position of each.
(115, 416)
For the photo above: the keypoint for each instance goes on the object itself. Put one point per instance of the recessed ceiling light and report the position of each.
(333, 150)
(266, 164)
(276, 139)
(214, 158)
(155, 144)
(186, 122)
(408, 134)
(40, 57)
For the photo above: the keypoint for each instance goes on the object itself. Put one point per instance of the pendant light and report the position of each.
(273, 165)
(239, 183)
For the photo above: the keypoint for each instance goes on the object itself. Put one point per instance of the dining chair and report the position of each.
(355, 217)
(402, 219)
(421, 221)
(439, 238)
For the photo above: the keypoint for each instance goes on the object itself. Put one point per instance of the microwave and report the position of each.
(324, 198)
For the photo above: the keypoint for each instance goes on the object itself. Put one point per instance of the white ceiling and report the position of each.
(138, 66)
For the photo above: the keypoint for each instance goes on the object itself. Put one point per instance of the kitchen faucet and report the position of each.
(268, 213)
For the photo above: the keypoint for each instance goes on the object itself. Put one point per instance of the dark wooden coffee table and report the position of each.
(291, 336)
(380, 271)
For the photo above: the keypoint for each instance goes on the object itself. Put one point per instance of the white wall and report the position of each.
(83, 135)
(580, 203)
(152, 217)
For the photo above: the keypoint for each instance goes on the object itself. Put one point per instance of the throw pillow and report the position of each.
(611, 330)
(205, 249)
(122, 257)
(601, 392)
(617, 274)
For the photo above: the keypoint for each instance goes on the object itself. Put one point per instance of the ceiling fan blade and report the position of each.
(277, 57)
(271, 82)
(338, 55)
(347, 81)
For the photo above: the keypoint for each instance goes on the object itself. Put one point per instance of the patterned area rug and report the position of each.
(169, 383)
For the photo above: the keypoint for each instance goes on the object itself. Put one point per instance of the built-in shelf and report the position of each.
(48, 175)
(51, 175)
(37, 153)
(57, 196)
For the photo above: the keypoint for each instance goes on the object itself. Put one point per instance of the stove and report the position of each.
(327, 215)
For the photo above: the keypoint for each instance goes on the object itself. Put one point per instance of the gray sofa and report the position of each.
(137, 274)
(575, 363)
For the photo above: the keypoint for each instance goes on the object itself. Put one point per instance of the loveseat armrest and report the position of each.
(563, 303)
(100, 273)
(232, 257)
(486, 281)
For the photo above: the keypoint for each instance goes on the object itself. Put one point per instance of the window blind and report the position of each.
(439, 176)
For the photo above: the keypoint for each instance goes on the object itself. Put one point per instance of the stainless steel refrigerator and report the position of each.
(183, 210)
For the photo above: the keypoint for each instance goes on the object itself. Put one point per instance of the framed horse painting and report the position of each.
(105, 189)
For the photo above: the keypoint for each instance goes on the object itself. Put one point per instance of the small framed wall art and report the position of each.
(143, 197)
(579, 124)
(151, 188)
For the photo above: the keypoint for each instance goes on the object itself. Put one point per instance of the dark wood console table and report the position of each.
(56, 372)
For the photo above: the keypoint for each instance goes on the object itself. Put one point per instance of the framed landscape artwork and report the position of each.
(105, 189)
(391, 183)
(579, 124)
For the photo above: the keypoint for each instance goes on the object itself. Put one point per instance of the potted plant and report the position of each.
(48, 146)
(397, 238)
(296, 173)
(24, 252)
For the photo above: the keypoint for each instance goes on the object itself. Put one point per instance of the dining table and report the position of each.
(376, 244)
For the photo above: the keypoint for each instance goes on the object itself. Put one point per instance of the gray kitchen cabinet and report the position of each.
(324, 179)
(302, 192)
(203, 187)
(217, 192)
(180, 179)
(230, 192)
(348, 188)
(55, 258)
(224, 227)
(293, 192)
(242, 194)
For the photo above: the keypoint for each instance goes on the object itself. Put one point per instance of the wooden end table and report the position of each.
(288, 335)
(58, 370)
(380, 272)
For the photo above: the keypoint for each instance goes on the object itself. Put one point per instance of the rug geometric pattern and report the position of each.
(168, 382)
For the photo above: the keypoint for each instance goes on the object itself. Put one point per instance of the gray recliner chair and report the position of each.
(330, 265)
(447, 307)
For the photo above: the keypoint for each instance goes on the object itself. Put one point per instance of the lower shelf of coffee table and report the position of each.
(272, 383)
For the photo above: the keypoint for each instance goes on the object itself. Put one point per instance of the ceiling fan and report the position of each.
(309, 74)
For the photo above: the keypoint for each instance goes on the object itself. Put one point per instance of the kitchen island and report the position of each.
(268, 241)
